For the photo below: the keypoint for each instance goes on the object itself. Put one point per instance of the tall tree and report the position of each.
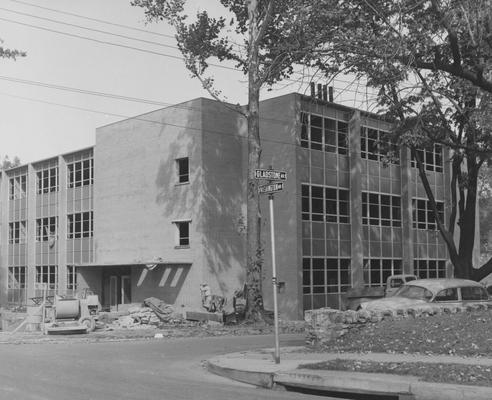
(7, 163)
(431, 61)
(270, 32)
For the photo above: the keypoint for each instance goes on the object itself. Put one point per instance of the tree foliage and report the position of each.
(7, 163)
(431, 61)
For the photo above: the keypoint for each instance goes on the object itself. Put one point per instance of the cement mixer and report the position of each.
(72, 314)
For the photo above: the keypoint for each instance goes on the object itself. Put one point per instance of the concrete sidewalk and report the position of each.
(258, 368)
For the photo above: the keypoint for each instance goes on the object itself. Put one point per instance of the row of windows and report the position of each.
(332, 275)
(330, 135)
(327, 204)
(80, 173)
(79, 225)
(44, 274)
(320, 203)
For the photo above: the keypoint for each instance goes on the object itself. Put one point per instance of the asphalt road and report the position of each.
(164, 369)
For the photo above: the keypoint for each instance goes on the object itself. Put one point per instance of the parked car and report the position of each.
(433, 291)
(356, 296)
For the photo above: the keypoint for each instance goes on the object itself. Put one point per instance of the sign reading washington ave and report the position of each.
(270, 174)
(272, 187)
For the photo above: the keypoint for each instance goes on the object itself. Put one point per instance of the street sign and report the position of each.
(270, 174)
(271, 188)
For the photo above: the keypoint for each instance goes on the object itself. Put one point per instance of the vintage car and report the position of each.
(431, 291)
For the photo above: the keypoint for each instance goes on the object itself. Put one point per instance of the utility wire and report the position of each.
(91, 19)
(90, 29)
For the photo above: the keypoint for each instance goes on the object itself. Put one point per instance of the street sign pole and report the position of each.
(274, 281)
(271, 175)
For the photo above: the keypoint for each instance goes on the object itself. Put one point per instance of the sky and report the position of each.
(90, 63)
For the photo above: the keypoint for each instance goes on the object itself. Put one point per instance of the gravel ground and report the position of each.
(186, 329)
(462, 334)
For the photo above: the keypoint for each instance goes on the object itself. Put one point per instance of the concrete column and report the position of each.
(62, 224)
(406, 211)
(4, 236)
(31, 231)
(355, 162)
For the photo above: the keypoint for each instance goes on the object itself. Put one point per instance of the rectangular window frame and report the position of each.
(381, 209)
(183, 170)
(182, 233)
(80, 225)
(47, 180)
(46, 229)
(320, 204)
(324, 134)
(80, 173)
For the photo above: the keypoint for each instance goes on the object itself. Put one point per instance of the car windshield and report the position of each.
(414, 292)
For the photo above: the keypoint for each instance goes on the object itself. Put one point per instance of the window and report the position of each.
(47, 274)
(183, 170)
(328, 204)
(183, 238)
(473, 293)
(423, 216)
(449, 294)
(377, 271)
(429, 268)
(47, 180)
(81, 173)
(80, 225)
(17, 187)
(325, 275)
(16, 285)
(17, 232)
(375, 146)
(381, 209)
(46, 228)
(71, 278)
(326, 134)
(431, 158)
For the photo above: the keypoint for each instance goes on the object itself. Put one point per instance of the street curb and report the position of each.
(405, 387)
(257, 378)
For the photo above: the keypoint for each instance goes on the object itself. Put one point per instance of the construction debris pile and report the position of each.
(152, 313)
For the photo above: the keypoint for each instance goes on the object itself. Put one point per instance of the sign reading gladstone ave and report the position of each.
(270, 174)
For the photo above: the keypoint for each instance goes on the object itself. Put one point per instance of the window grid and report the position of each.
(17, 187)
(372, 141)
(71, 278)
(47, 274)
(325, 275)
(80, 225)
(16, 285)
(183, 170)
(322, 203)
(80, 173)
(423, 216)
(46, 228)
(17, 232)
(377, 271)
(429, 268)
(431, 158)
(326, 134)
(381, 209)
(47, 180)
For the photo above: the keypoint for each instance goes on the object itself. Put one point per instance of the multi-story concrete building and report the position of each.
(157, 207)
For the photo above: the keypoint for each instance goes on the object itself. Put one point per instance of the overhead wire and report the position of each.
(92, 19)
(89, 29)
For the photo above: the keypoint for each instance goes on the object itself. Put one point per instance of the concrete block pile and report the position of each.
(326, 324)
(144, 317)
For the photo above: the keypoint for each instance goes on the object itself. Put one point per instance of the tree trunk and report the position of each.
(254, 254)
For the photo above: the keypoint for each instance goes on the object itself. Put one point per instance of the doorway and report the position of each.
(116, 288)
